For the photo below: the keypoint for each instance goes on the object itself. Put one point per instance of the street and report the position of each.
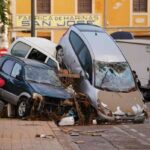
(112, 137)
(125, 136)
(26, 134)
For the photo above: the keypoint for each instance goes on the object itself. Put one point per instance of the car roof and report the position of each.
(30, 62)
(88, 27)
(99, 43)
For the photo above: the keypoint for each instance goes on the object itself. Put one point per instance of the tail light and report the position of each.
(3, 51)
(2, 82)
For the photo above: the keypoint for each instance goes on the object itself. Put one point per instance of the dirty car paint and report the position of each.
(122, 103)
(50, 91)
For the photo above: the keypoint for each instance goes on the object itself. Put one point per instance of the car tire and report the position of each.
(1, 106)
(59, 57)
(139, 121)
(23, 108)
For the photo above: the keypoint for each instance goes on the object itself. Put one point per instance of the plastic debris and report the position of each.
(44, 136)
(74, 134)
(67, 121)
(79, 142)
(94, 121)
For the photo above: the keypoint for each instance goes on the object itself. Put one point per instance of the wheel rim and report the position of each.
(22, 109)
(59, 55)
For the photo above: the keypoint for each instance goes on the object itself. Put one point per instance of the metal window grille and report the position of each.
(84, 6)
(43, 6)
(140, 5)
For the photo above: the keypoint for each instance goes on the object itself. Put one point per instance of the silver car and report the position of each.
(106, 77)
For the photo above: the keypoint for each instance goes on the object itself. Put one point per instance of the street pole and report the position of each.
(105, 13)
(32, 18)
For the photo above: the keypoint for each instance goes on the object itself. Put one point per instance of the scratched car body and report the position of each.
(28, 81)
(106, 75)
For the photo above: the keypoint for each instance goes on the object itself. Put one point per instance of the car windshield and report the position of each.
(114, 76)
(41, 75)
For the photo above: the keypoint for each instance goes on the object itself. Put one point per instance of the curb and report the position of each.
(62, 138)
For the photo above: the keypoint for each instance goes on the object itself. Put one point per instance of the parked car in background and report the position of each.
(35, 48)
(122, 35)
(27, 81)
(106, 75)
(137, 53)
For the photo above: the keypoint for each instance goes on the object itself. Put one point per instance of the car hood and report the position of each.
(50, 91)
(129, 103)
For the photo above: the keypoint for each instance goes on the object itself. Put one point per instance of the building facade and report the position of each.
(53, 17)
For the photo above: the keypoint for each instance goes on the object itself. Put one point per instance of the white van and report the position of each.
(35, 48)
(106, 75)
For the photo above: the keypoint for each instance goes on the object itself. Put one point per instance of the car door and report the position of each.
(16, 81)
(11, 70)
(5, 72)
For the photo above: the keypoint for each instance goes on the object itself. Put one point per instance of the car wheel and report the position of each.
(23, 108)
(1, 106)
(139, 120)
(59, 57)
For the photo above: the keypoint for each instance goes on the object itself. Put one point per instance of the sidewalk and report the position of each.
(24, 135)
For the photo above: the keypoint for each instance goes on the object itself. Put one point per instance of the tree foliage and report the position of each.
(4, 12)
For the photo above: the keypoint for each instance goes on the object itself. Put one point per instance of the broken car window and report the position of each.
(36, 55)
(41, 75)
(114, 76)
(52, 63)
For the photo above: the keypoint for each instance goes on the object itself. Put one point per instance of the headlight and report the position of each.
(37, 96)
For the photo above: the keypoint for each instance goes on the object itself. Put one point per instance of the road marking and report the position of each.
(133, 130)
(132, 136)
(119, 129)
(126, 126)
(141, 134)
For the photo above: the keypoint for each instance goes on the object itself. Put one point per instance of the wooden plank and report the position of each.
(69, 75)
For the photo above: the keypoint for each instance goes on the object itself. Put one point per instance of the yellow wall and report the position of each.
(118, 12)
(44, 34)
(99, 8)
(140, 20)
(64, 6)
(23, 6)
(57, 35)
(149, 13)
(23, 34)
(118, 15)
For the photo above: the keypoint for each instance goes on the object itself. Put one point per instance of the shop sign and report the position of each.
(57, 21)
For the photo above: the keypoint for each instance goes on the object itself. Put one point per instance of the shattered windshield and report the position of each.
(41, 75)
(114, 76)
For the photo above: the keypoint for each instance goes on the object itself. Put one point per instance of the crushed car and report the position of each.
(29, 85)
(106, 76)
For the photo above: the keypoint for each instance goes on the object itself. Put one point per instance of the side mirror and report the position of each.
(87, 75)
(84, 74)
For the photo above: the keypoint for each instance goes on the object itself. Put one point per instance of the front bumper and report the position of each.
(122, 118)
